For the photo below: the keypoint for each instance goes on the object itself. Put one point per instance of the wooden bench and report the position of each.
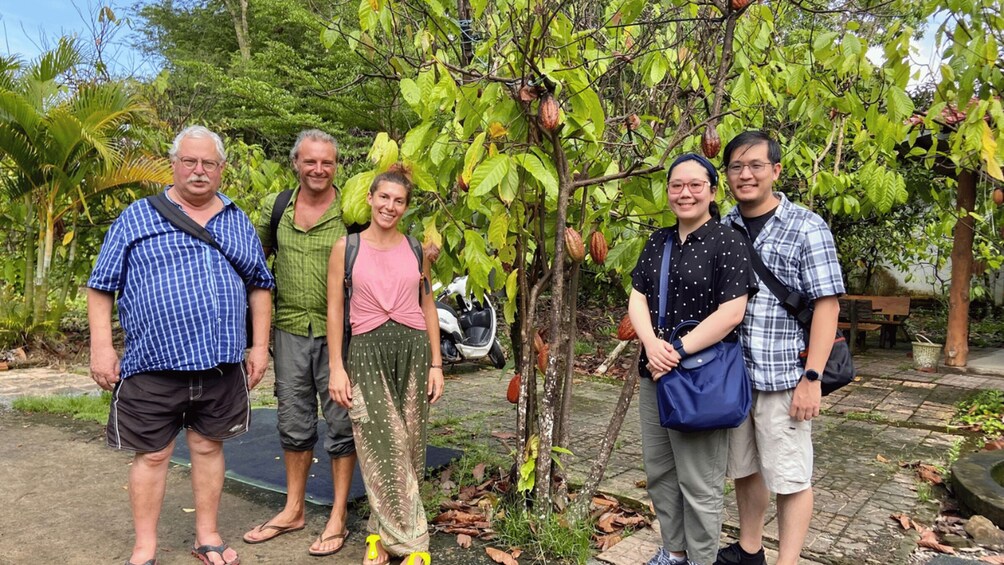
(887, 315)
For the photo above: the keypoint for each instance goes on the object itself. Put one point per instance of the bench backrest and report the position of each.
(890, 306)
(863, 307)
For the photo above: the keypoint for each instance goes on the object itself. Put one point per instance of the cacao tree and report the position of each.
(634, 83)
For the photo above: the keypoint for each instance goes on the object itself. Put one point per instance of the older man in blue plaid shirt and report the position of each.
(772, 450)
(182, 304)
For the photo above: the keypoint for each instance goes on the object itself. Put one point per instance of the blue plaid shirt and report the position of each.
(181, 303)
(797, 246)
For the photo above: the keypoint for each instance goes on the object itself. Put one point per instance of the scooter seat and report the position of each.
(447, 307)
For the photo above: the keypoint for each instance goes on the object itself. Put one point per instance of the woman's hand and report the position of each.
(340, 388)
(435, 388)
(662, 358)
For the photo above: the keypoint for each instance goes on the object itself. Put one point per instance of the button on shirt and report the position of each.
(301, 266)
(709, 269)
(797, 246)
(181, 303)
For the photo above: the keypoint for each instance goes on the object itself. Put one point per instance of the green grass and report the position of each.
(87, 408)
(865, 416)
(925, 493)
(983, 411)
(548, 536)
(584, 347)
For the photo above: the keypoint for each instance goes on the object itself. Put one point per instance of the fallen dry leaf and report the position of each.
(929, 473)
(930, 540)
(503, 435)
(994, 445)
(881, 459)
(515, 552)
(606, 522)
(464, 540)
(479, 472)
(993, 559)
(500, 556)
(903, 520)
(606, 542)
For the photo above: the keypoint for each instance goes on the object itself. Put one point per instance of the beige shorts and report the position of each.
(772, 443)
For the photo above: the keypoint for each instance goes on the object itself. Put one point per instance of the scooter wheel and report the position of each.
(496, 356)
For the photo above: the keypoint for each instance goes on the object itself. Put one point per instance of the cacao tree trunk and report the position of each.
(957, 337)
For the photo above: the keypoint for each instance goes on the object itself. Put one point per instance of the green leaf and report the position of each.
(489, 174)
(533, 165)
(412, 93)
(899, 103)
(498, 229)
(414, 141)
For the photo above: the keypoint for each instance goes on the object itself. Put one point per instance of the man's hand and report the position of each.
(435, 388)
(257, 362)
(105, 367)
(340, 388)
(805, 400)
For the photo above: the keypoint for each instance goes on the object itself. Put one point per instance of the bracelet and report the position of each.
(435, 366)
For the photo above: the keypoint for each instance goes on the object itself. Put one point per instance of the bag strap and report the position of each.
(792, 302)
(667, 252)
(278, 209)
(416, 248)
(183, 222)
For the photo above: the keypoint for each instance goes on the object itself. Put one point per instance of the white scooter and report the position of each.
(467, 330)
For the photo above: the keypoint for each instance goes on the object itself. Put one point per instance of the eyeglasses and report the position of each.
(208, 165)
(695, 186)
(756, 167)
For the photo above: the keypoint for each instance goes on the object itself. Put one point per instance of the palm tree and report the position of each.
(63, 145)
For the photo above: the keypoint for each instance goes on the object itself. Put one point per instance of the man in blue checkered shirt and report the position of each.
(772, 451)
(182, 304)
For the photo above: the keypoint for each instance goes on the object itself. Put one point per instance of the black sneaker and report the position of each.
(732, 554)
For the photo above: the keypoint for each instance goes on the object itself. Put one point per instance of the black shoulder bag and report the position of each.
(839, 367)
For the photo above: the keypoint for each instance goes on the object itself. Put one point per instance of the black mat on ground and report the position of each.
(255, 458)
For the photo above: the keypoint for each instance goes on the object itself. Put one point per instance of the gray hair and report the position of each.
(313, 135)
(197, 132)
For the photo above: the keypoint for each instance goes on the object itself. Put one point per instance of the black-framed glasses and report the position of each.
(695, 186)
(756, 167)
(208, 165)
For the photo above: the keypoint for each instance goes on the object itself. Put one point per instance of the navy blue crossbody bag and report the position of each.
(708, 390)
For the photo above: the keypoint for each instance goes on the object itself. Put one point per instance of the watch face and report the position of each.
(812, 375)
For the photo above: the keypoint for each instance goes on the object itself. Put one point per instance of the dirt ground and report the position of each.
(64, 499)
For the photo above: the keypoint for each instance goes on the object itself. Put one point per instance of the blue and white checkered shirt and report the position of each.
(181, 303)
(797, 246)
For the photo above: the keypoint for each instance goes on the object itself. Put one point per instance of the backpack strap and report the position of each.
(278, 209)
(416, 248)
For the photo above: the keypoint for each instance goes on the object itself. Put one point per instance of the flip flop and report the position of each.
(342, 536)
(147, 562)
(203, 551)
(279, 530)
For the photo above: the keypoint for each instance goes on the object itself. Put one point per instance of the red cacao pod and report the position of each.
(739, 4)
(998, 196)
(625, 330)
(538, 341)
(548, 113)
(711, 144)
(512, 393)
(542, 358)
(598, 247)
(574, 245)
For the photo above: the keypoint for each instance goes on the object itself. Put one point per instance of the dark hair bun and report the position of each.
(400, 168)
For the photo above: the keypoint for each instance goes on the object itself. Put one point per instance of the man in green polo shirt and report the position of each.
(307, 230)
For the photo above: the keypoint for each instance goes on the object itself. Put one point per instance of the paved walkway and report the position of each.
(892, 415)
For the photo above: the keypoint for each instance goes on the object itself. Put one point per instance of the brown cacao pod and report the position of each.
(739, 4)
(625, 330)
(542, 358)
(998, 196)
(633, 122)
(598, 247)
(512, 393)
(711, 144)
(548, 113)
(573, 242)
(538, 341)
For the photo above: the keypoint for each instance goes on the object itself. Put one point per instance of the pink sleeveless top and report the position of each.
(385, 287)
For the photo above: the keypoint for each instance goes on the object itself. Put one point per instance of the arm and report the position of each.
(715, 327)
(807, 396)
(104, 360)
(339, 386)
(435, 389)
(661, 356)
(260, 301)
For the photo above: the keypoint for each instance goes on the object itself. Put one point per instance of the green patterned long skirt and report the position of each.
(389, 369)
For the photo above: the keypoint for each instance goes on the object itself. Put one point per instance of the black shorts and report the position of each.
(149, 409)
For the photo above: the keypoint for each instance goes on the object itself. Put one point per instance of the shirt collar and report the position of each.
(333, 211)
(227, 202)
(698, 234)
(783, 209)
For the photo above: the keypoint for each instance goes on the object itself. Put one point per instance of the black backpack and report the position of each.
(351, 252)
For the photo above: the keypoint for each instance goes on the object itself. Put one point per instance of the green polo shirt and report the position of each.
(301, 266)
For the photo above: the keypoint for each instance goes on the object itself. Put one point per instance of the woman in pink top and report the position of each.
(394, 367)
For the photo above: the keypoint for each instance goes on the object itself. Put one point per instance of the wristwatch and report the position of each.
(810, 375)
(678, 346)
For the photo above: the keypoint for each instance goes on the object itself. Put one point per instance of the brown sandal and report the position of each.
(278, 531)
(342, 536)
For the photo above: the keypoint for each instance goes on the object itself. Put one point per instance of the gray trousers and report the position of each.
(686, 480)
(301, 381)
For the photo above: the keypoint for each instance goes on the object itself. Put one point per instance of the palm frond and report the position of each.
(60, 60)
